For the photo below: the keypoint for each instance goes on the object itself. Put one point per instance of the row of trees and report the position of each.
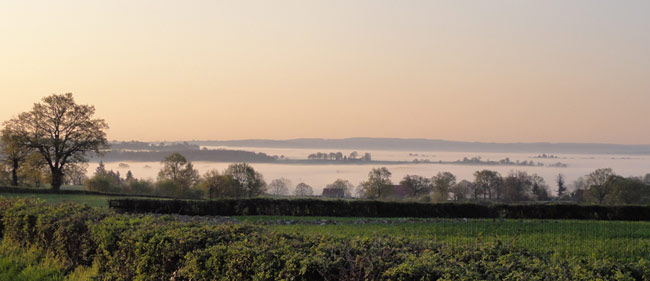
(338, 156)
(601, 186)
(179, 178)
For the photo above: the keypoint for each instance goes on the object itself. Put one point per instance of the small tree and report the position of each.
(279, 186)
(442, 183)
(215, 185)
(539, 188)
(378, 185)
(461, 190)
(62, 131)
(250, 181)
(34, 171)
(489, 183)
(417, 185)
(516, 186)
(303, 189)
(178, 172)
(101, 168)
(75, 174)
(129, 177)
(340, 186)
(15, 153)
(177, 169)
(561, 187)
(597, 184)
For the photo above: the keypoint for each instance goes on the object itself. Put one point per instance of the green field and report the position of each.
(92, 200)
(615, 239)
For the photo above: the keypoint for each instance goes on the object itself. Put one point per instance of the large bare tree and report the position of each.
(61, 131)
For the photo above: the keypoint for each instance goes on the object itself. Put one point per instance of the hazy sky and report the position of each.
(505, 71)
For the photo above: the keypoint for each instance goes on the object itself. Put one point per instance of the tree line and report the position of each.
(602, 186)
(179, 178)
(339, 156)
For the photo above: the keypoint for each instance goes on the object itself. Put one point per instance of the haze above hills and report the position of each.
(432, 145)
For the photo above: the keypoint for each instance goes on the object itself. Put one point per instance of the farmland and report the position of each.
(621, 240)
(94, 241)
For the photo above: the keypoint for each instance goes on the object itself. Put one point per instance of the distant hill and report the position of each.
(144, 151)
(433, 145)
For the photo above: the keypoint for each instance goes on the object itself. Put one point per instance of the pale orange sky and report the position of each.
(501, 71)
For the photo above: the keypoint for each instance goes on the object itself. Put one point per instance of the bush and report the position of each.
(148, 248)
(140, 187)
(102, 183)
(170, 188)
(62, 230)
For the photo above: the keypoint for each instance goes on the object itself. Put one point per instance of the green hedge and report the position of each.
(146, 247)
(361, 208)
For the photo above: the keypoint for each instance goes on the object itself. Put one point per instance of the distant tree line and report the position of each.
(215, 155)
(339, 156)
(601, 186)
(505, 161)
(178, 178)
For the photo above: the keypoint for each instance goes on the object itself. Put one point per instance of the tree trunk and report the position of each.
(14, 174)
(57, 179)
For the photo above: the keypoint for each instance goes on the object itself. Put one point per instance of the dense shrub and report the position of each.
(170, 188)
(138, 186)
(273, 256)
(62, 229)
(148, 248)
(277, 257)
(103, 183)
(359, 208)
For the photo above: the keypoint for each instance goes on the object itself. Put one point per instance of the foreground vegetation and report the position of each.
(60, 241)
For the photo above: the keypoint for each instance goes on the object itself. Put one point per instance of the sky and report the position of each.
(489, 71)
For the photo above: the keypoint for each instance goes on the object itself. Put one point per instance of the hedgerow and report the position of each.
(363, 208)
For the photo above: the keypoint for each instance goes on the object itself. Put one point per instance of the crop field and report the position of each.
(616, 239)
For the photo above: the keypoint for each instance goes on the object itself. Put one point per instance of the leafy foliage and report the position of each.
(61, 131)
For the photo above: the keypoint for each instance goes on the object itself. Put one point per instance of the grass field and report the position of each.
(616, 239)
(92, 200)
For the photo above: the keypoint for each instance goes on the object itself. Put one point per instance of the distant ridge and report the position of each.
(433, 145)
